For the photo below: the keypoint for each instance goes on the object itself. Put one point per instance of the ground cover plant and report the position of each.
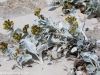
(46, 36)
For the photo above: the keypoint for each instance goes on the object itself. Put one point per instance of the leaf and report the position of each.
(72, 72)
(42, 47)
(74, 49)
(59, 54)
(80, 42)
(90, 68)
(97, 73)
(56, 40)
(10, 35)
(78, 72)
(29, 45)
(85, 56)
(20, 60)
(27, 57)
(23, 59)
(94, 57)
(18, 30)
(60, 25)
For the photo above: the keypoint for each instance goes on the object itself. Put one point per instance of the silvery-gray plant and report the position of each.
(55, 36)
(36, 44)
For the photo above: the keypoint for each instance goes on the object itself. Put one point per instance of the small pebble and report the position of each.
(49, 64)
(86, 29)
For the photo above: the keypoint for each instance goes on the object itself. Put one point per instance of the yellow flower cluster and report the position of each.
(3, 46)
(72, 30)
(35, 30)
(17, 37)
(69, 5)
(72, 21)
(37, 11)
(25, 28)
(8, 24)
(16, 52)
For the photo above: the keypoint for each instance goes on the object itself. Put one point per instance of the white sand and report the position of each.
(3, 0)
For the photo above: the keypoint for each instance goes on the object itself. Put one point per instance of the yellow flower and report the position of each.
(36, 33)
(17, 51)
(72, 31)
(74, 19)
(12, 23)
(37, 11)
(4, 26)
(26, 26)
(69, 5)
(75, 23)
(67, 19)
(35, 29)
(7, 24)
(24, 30)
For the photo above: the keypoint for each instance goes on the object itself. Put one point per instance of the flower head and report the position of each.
(35, 29)
(37, 11)
(8, 24)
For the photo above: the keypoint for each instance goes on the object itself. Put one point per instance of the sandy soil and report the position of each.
(13, 8)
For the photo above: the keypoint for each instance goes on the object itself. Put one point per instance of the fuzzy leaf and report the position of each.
(97, 73)
(90, 68)
(85, 56)
(29, 46)
(27, 57)
(74, 49)
(78, 72)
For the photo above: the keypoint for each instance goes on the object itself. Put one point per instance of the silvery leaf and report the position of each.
(33, 49)
(18, 30)
(74, 49)
(23, 58)
(71, 72)
(85, 56)
(19, 60)
(42, 47)
(29, 46)
(54, 40)
(80, 42)
(10, 51)
(59, 54)
(27, 57)
(54, 48)
(10, 35)
(90, 68)
(94, 57)
(60, 25)
(49, 60)
(97, 73)
(78, 72)
(61, 48)
(40, 50)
